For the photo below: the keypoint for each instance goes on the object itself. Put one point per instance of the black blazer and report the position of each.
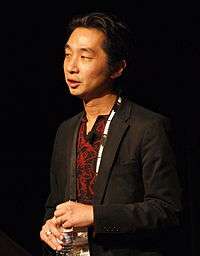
(137, 193)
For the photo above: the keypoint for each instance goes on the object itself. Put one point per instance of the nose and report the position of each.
(71, 66)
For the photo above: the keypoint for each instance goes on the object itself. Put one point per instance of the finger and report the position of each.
(51, 226)
(60, 220)
(53, 219)
(54, 229)
(54, 241)
(60, 212)
(64, 221)
(65, 204)
(60, 206)
(50, 240)
(68, 224)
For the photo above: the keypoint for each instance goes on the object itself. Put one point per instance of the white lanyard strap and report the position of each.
(105, 134)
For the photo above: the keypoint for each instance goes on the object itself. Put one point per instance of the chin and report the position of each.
(73, 91)
(76, 93)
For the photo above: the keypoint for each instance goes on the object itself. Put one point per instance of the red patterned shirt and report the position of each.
(87, 151)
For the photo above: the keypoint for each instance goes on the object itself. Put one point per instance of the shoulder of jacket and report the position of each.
(144, 117)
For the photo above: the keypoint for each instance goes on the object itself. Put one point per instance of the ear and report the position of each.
(118, 70)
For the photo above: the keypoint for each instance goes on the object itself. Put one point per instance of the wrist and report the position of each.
(91, 215)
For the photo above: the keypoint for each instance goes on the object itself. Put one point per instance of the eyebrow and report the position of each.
(83, 49)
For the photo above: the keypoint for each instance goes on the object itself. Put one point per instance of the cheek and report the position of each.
(97, 73)
(64, 67)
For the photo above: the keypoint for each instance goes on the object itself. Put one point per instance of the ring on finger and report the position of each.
(48, 232)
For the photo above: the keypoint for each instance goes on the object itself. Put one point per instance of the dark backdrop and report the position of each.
(34, 101)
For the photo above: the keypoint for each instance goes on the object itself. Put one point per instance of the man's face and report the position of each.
(86, 64)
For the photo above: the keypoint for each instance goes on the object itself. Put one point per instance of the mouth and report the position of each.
(73, 83)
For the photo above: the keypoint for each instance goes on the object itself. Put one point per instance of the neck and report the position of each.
(99, 106)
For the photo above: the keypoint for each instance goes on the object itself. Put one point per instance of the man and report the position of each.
(113, 169)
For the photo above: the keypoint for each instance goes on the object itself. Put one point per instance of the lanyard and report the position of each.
(105, 134)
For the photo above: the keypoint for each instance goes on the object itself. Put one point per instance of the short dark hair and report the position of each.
(119, 44)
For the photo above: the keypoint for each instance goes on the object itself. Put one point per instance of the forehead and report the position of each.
(86, 38)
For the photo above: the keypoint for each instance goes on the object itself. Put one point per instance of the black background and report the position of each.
(34, 100)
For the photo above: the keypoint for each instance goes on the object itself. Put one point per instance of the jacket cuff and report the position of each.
(112, 219)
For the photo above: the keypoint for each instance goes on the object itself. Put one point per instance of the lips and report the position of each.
(73, 83)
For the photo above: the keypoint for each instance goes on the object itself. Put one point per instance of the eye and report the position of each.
(67, 55)
(85, 57)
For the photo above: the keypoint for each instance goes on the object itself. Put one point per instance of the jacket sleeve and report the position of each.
(53, 198)
(161, 203)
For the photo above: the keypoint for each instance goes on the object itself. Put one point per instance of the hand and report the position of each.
(72, 214)
(50, 233)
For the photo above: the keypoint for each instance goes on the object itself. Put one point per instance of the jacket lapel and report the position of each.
(118, 127)
(70, 192)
